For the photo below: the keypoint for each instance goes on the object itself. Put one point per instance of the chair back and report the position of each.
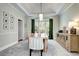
(36, 43)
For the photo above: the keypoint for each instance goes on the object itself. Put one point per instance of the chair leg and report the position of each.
(30, 51)
(41, 52)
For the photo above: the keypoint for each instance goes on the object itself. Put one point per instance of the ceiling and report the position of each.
(48, 9)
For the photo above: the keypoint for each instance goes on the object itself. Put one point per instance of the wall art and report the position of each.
(5, 20)
(11, 22)
(5, 26)
(5, 14)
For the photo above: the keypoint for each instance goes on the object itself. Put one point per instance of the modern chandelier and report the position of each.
(41, 13)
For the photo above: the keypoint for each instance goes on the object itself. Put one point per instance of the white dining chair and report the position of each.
(36, 43)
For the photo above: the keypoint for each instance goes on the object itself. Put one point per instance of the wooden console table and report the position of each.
(68, 41)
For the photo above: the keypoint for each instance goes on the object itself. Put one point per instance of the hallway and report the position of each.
(21, 49)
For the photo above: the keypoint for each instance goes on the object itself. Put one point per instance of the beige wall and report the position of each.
(69, 15)
(28, 25)
(55, 25)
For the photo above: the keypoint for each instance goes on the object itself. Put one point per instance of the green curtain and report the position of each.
(50, 28)
(33, 26)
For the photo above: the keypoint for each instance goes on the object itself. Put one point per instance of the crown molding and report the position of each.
(18, 6)
(23, 9)
(60, 9)
(65, 9)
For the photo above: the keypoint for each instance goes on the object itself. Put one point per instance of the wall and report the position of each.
(55, 25)
(27, 26)
(69, 15)
(9, 38)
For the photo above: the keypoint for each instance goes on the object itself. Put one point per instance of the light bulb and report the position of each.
(40, 17)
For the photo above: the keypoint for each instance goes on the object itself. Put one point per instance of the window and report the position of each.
(42, 26)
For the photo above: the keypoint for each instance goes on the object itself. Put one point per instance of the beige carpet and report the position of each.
(21, 49)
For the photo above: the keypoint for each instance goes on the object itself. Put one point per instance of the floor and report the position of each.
(21, 49)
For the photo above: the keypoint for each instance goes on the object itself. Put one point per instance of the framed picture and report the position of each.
(11, 22)
(11, 19)
(5, 20)
(5, 26)
(5, 14)
(11, 26)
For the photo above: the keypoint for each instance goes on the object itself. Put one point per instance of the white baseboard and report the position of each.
(7, 46)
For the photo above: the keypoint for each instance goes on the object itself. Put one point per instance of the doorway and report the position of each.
(20, 30)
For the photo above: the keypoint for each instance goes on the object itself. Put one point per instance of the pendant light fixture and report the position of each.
(41, 13)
